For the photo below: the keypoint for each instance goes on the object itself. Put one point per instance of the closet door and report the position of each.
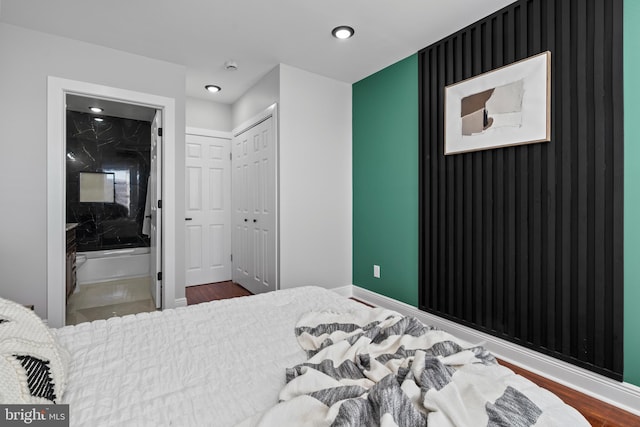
(254, 208)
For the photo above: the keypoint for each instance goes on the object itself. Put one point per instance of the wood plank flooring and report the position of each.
(214, 291)
(598, 413)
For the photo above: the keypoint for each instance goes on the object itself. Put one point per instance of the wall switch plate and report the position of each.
(376, 271)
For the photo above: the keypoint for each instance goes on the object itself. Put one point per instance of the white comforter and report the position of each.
(213, 364)
(377, 368)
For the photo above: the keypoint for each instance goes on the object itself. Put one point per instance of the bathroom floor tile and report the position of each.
(103, 300)
(107, 311)
(109, 293)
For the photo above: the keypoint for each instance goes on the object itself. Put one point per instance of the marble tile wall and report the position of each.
(118, 146)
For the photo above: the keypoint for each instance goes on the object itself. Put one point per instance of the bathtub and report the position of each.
(112, 264)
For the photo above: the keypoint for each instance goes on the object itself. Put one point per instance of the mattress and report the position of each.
(214, 364)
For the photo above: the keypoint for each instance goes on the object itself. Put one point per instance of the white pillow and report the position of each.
(33, 366)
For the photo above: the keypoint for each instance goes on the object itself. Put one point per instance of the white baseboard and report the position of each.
(181, 302)
(623, 395)
(345, 291)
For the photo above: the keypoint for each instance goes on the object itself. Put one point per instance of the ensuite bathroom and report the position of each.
(107, 211)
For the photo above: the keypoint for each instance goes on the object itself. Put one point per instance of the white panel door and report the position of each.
(208, 209)
(155, 188)
(254, 208)
(240, 207)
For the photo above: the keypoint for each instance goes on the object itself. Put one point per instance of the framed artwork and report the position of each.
(503, 107)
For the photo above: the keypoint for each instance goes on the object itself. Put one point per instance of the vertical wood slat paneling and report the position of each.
(442, 215)
(599, 200)
(581, 286)
(525, 242)
(564, 91)
(549, 263)
(615, 133)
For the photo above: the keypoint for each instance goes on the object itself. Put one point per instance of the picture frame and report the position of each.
(507, 106)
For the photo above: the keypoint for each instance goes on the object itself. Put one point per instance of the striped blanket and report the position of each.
(376, 367)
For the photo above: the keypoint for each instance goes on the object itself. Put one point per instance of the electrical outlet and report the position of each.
(376, 271)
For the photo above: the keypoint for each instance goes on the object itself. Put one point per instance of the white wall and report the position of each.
(27, 59)
(205, 114)
(255, 100)
(315, 180)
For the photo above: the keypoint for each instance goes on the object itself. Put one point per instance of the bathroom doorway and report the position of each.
(115, 221)
(112, 176)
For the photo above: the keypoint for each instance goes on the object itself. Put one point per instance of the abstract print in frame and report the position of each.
(503, 107)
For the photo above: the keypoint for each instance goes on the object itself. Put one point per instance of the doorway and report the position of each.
(58, 90)
(112, 181)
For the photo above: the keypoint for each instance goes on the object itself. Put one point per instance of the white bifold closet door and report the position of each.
(208, 209)
(254, 246)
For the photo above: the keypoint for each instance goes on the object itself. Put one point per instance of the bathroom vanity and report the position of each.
(71, 259)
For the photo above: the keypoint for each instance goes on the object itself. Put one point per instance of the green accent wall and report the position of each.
(631, 192)
(385, 181)
(385, 184)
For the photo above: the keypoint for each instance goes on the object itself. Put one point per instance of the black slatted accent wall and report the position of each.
(525, 242)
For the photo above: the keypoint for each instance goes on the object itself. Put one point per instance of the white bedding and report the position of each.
(378, 368)
(213, 364)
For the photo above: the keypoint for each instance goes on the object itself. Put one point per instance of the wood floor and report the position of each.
(214, 291)
(598, 413)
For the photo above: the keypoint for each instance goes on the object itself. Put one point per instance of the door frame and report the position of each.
(208, 132)
(57, 89)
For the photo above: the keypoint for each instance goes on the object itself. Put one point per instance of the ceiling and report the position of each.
(83, 104)
(256, 34)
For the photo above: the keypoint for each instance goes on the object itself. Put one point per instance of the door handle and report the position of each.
(188, 219)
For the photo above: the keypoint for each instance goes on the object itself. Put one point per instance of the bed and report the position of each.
(227, 363)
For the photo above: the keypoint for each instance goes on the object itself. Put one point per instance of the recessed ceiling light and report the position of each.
(342, 32)
(96, 109)
(98, 119)
(213, 88)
